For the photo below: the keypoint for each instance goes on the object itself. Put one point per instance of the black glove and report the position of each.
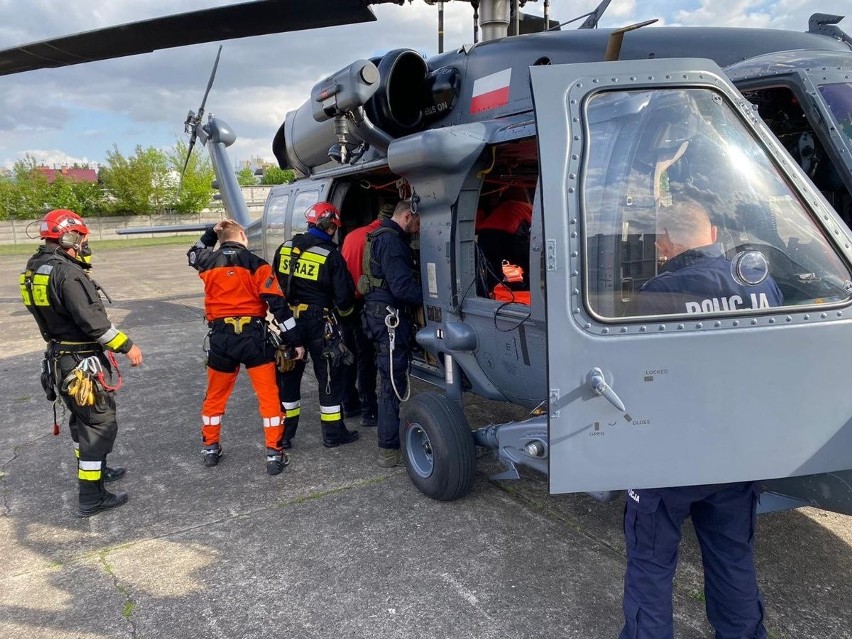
(285, 358)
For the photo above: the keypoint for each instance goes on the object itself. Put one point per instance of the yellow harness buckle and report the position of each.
(238, 322)
(298, 309)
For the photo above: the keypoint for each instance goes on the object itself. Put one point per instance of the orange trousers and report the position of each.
(219, 387)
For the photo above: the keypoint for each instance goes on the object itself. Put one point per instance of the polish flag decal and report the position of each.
(491, 92)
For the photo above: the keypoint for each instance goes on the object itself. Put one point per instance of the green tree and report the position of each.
(84, 198)
(275, 175)
(6, 189)
(139, 184)
(245, 177)
(27, 196)
(196, 187)
(30, 194)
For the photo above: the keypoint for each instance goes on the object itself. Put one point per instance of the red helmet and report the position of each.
(58, 222)
(323, 214)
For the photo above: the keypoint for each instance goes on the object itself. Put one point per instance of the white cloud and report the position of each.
(143, 100)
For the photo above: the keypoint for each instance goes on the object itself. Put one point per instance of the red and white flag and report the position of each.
(491, 91)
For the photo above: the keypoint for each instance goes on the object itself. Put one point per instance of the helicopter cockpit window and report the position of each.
(304, 200)
(673, 179)
(276, 211)
(839, 99)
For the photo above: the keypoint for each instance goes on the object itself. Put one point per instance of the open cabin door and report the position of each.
(743, 378)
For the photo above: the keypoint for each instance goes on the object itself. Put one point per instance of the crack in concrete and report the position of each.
(554, 515)
(129, 605)
(15, 452)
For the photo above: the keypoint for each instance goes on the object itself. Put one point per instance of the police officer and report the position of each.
(392, 296)
(320, 290)
(359, 388)
(695, 272)
(239, 288)
(57, 290)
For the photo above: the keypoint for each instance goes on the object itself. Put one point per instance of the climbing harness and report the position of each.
(391, 322)
(87, 380)
(335, 351)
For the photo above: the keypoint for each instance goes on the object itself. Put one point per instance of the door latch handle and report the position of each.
(598, 383)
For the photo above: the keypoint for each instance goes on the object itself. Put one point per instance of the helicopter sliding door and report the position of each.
(698, 287)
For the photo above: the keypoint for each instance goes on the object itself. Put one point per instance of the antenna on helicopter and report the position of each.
(194, 120)
(475, 5)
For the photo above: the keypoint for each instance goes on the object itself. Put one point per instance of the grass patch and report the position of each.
(100, 245)
(127, 610)
(698, 595)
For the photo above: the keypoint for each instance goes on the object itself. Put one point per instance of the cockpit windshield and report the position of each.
(839, 99)
(674, 179)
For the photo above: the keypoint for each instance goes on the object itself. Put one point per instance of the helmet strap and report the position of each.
(71, 240)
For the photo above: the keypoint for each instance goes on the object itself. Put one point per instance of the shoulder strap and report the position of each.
(367, 259)
(35, 294)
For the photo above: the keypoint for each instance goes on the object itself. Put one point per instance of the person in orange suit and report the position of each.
(239, 288)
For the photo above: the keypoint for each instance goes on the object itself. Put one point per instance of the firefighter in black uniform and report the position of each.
(319, 288)
(66, 304)
(392, 292)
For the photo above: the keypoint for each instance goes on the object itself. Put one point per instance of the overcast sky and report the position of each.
(77, 114)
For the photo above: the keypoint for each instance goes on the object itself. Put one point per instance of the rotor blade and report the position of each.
(209, 84)
(186, 162)
(173, 228)
(595, 16)
(259, 17)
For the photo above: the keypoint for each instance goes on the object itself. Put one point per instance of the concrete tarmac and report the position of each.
(333, 547)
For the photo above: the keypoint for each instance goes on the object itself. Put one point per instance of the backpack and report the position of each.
(368, 283)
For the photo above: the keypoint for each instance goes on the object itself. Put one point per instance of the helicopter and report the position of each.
(602, 129)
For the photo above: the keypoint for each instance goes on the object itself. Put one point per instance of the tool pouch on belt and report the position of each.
(47, 378)
(336, 352)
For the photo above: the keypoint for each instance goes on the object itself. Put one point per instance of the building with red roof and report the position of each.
(68, 173)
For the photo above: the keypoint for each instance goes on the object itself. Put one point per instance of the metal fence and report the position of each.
(103, 228)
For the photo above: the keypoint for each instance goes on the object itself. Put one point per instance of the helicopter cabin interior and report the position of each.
(781, 109)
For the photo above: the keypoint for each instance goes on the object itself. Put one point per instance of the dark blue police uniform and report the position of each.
(701, 280)
(392, 261)
(697, 280)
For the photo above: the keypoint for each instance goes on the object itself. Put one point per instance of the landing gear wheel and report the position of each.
(437, 446)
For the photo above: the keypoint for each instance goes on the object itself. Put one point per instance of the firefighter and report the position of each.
(320, 290)
(239, 288)
(392, 292)
(79, 366)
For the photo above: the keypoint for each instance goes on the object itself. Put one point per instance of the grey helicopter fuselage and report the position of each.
(409, 123)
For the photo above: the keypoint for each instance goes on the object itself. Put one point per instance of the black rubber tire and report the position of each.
(432, 418)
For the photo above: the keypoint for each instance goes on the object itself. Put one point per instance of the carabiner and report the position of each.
(392, 318)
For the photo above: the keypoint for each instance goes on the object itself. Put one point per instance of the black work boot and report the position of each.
(211, 455)
(336, 434)
(109, 500)
(114, 474)
(276, 461)
(291, 425)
